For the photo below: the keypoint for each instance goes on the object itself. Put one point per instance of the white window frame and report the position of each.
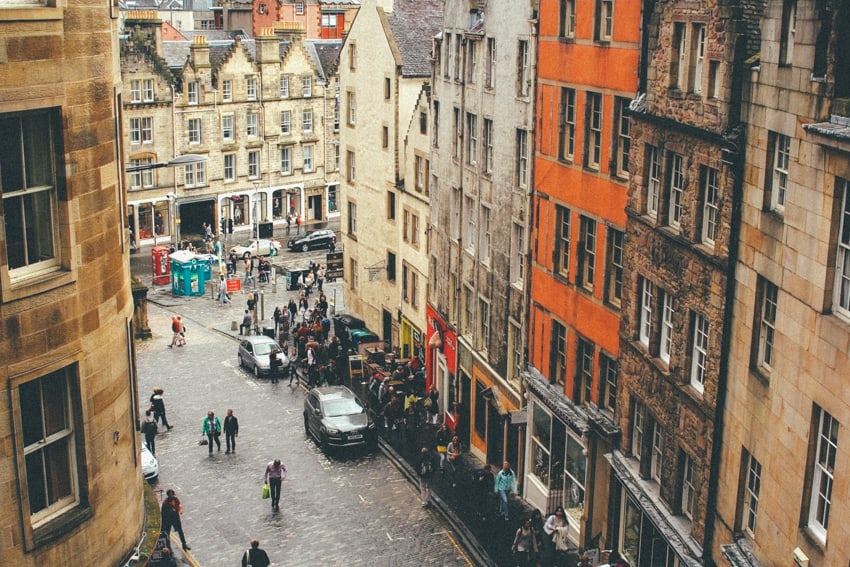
(309, 158)
(490, 78)
(285, 122)
(229, 168)
(689, 495)
(487, 149)
(568, 18)
(645, 321)
(144, 178)
(523, 86)
(351, 165)
(657, 458)
(306, 86)
(767, 323)
(251, 88)
(841, 296)
(252, 124)
(227, 127)
(823, 475)
(665, 347)
(638, 429)
(698, 54)
(148, 90)
(518, 254)
(135, 91)
(781, 162)
(284, 87)
(194, 130)
(483, 324)
(307, 121)
(522, 163)
(193, 92)
(605, 20)
(254, 164)
(699, 351)
(624, 138)
(286, 160)
(299, 7)
(471, 138)
(352, 108)
(752, 488)
(653, 184)
(587, 252)
(469, 226)
(485, 238)
(594, 130)
(710, 205)
(677, 191)
(227, 90)
(195, 175)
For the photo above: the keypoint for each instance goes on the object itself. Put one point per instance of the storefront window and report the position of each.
(162, 218)
(642, 542)
(332, 197)
(480, 411)
(540, 437)
(261, 204)
(630, 528)
(278, 200)
(576, 469)
(240, 214)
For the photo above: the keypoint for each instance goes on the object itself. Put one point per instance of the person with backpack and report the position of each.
(255, 556)
(425, 470)
(149, 430)
(170, 515)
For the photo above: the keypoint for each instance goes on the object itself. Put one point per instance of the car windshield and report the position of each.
(249, 244)
(342, 406)
(265, 348)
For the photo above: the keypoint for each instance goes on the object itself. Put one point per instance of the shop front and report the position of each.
(564, 464)
(489, 405)
(150, 221)
(440, 365)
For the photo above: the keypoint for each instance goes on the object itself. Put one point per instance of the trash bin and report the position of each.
(269, 332)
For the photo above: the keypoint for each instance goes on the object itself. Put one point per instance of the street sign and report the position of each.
(335, 266)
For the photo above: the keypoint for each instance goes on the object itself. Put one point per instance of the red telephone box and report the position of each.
(161, 266)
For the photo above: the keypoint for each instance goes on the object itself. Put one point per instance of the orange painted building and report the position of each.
(587, 77)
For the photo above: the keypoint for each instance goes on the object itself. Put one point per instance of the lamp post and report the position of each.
(257, 214)
(179, 161)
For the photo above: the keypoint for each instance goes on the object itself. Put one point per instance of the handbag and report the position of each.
(441, 448)
(203, 440)
(266, 493)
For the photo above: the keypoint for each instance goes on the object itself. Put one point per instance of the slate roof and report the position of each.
(838, 128)
(324, 53)
(414, 23)
(339, 2)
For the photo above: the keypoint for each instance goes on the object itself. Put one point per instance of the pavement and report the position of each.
(481, 533)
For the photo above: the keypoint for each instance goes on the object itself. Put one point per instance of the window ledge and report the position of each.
(35, 284)
(760, 375)
(818, 544)
(31, 14)
(60, 527)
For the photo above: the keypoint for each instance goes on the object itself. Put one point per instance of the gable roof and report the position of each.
(413, 25)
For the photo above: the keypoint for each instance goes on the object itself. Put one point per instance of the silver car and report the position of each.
(255, 247)
(150, 465)
(254, 354)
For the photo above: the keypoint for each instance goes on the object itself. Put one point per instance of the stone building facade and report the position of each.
(70, 472)
(383, 67)
(262, 111)
(582, 169)
(482, 171)
(686, 174)
(783, 482)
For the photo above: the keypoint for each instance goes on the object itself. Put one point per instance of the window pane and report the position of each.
(11, 162)
(36, 138)
(31, 422)
(35, 482)
(53, 391)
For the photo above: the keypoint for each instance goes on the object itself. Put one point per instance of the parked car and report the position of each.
(335, 417)
(254, 354)
(255, 247)
(311, 240)
(150, 464)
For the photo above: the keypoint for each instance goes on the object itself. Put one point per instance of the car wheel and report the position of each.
(256, 371)
(323, 441)
(305, 247)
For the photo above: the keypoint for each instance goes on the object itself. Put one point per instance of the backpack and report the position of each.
(426, 467)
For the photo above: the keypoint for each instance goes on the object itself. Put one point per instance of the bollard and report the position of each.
(234, 326)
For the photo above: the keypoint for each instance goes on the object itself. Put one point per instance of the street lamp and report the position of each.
(257, 214)
(179, 161)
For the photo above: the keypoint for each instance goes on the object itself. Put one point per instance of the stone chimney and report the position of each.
(200, 51)
(290, 31)
(268, 46)
(145, 26)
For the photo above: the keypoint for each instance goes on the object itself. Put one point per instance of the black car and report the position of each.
(312, 240)
(335, 417)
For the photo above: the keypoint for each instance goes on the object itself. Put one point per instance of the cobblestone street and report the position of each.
(346, 509)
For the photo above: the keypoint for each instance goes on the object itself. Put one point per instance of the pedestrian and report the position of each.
(249, 268)
(166, 559)
(212, 429)
(482, 489)
(505, 483)
(223, 296)
(149, 429)
(231, 431)
(158, 408)
(320, 277)
(298, 224)
(293, 310)
(247, 323)
(452, 453)
(176, 329)
(539, 536)
(442, 442)
(254, 556)
(425, 470)
(432, 406)
(556, 528)
(288, 223)
(525, 544)
(275, 365)
(275, 474)
(170, 513)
